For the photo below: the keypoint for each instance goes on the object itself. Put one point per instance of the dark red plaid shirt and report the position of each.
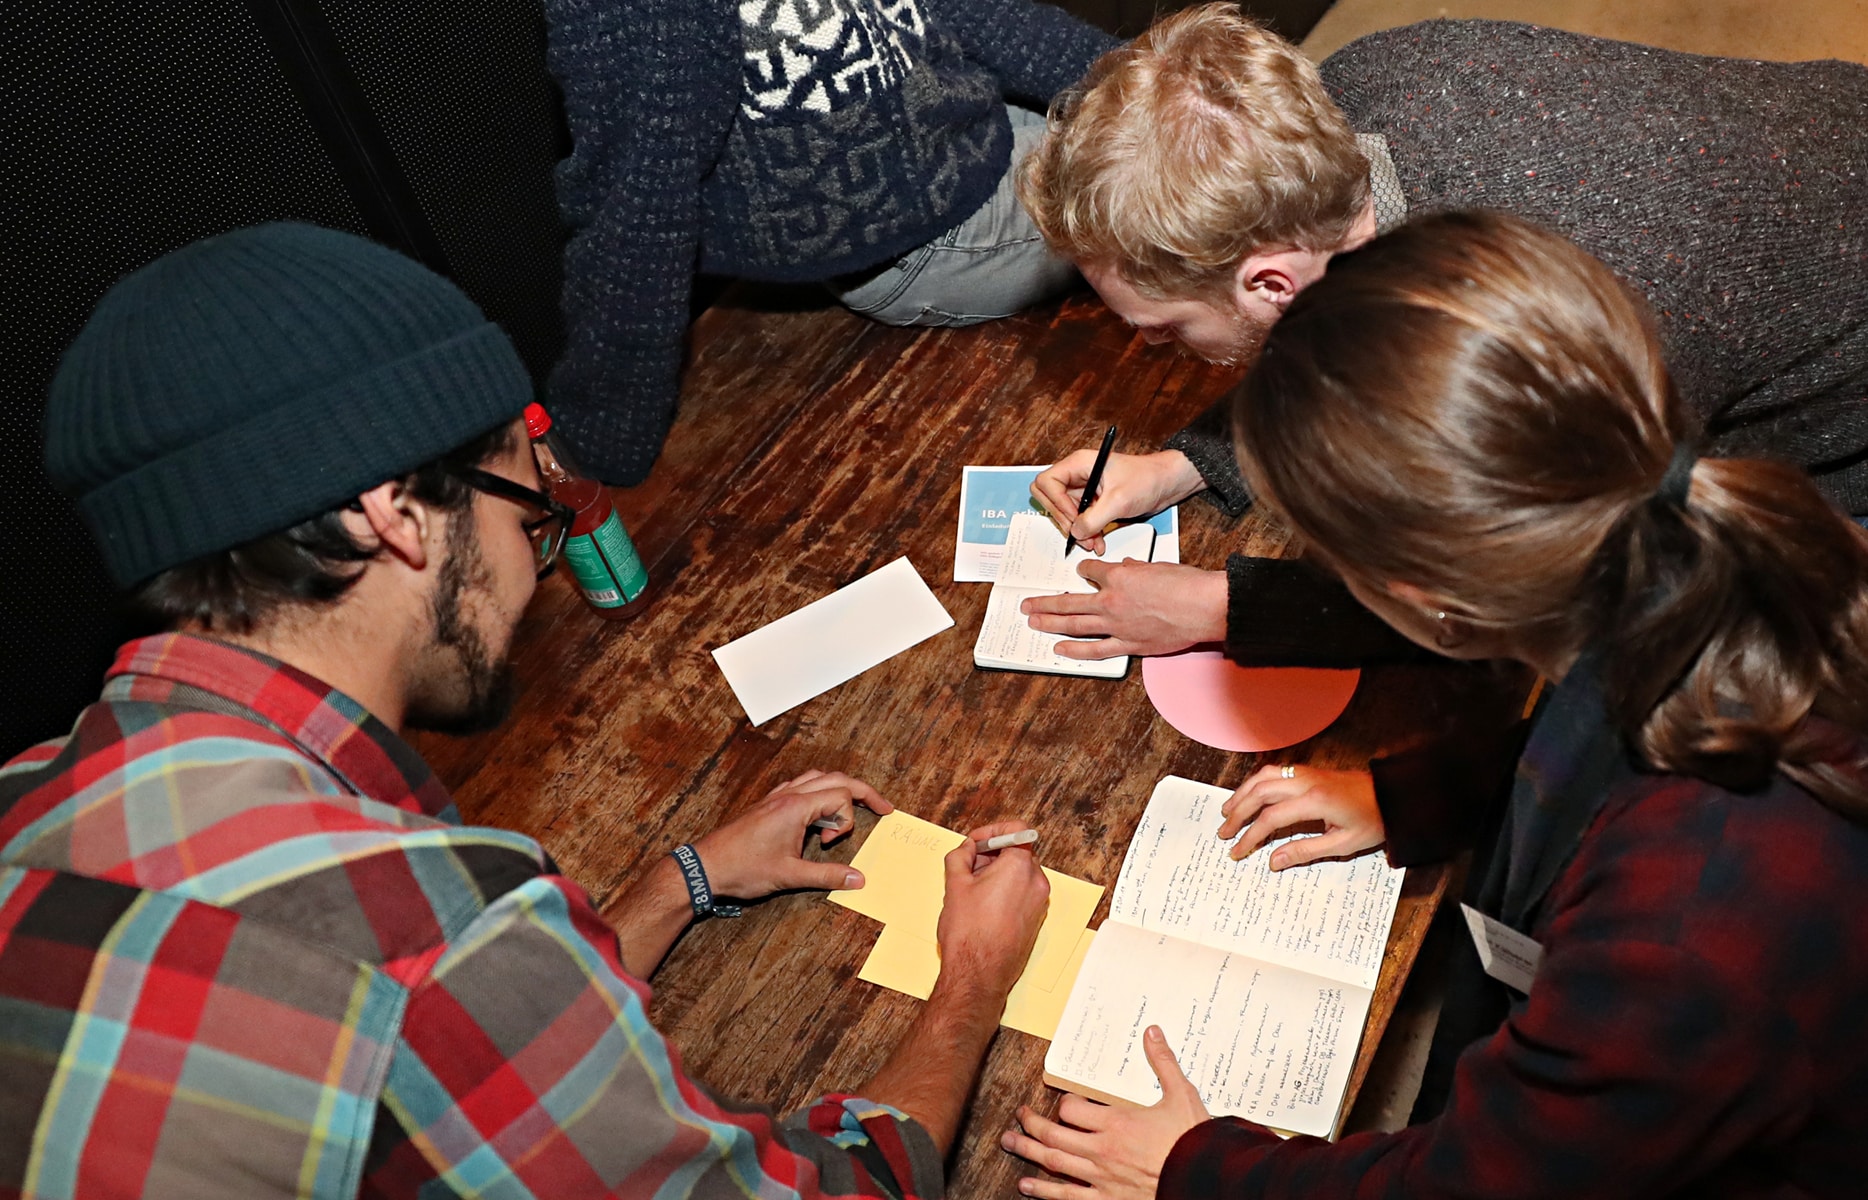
(247, 949)
(1698, 1026)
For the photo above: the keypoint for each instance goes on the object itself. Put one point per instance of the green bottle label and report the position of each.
(606, 564)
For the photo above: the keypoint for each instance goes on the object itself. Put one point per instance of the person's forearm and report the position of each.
(654, 911)
(1207, 445)
(932, 1071)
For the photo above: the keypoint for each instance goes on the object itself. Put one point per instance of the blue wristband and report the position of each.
(700, 892)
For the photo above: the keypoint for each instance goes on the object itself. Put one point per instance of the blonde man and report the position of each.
(1205, 174)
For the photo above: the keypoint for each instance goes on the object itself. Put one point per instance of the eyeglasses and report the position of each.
(549, 523)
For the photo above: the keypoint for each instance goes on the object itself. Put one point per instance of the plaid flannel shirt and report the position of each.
(247, 950)
(1694, 1028)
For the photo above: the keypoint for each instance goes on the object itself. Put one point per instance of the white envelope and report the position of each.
(830, 641)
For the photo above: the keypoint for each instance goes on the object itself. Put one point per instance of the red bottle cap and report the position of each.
(537, 420)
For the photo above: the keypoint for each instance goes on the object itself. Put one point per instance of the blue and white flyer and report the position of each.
(988, 498)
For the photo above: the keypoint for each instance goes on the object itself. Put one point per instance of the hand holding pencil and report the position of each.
(1132, 485)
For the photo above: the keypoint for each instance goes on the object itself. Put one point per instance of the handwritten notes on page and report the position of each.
(1269, 1045)
(1261, 982)
(831, 641)
(905, 886)
(1034, 564)
(1328, 918)
(1035, 558)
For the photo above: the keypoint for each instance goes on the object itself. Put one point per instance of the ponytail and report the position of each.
(1729, 622)
(1475, 408)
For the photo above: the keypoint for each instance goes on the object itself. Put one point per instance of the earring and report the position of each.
(1452, 634)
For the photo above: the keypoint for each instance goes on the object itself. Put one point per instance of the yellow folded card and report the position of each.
(902, 962)
(905, 883)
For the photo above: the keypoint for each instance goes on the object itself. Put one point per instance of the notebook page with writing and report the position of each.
(1008, 642)
(1034, 564)
(1329, 918)
(1258, 1041)
(1034, 555)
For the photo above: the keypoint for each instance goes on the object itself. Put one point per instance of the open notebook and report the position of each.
(1034, 564)
(1260, 981)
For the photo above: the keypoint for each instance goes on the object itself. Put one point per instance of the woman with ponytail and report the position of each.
(1469, 421)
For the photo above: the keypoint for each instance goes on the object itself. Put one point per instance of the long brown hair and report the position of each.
(1473, 406)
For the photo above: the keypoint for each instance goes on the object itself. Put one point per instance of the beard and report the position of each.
(474, 692)
(1245, 342)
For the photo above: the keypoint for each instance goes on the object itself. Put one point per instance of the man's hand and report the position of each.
(1138, 608)
(1133, 485)
(1269, 801)
(760, 852)
(1117, 1150)
(988, 925)
(994, 906)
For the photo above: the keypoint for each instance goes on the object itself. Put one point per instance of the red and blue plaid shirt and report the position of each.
(247, 950)
(1695, 1027)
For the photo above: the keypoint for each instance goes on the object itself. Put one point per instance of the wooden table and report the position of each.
(812, 448)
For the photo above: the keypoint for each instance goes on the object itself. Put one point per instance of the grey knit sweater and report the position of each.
(1733, 194)
(785, 140)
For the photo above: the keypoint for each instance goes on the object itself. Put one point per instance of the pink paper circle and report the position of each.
(1219, 703)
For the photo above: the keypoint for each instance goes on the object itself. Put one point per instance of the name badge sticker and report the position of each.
(1507, 955)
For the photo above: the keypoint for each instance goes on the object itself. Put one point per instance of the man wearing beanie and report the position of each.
(246, 947)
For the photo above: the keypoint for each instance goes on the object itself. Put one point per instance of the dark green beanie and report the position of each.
(250, 381)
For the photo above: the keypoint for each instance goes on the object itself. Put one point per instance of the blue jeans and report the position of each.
(990, 265)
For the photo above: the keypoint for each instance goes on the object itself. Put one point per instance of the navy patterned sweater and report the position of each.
(783, 140)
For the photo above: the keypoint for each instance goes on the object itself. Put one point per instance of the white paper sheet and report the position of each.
(831, 641)
(1329, 918)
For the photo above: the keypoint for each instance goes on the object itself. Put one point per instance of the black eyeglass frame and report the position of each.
(556, 511)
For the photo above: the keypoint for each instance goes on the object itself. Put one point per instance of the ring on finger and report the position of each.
(1287, 771)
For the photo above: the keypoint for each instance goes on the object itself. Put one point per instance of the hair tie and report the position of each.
(1678, 481)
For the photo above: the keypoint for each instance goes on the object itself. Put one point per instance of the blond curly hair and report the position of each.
(1204, 141)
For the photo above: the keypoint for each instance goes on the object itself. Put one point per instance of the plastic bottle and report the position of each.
(601, 558)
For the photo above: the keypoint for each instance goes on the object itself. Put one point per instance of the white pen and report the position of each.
(827, 823)
(1023, 837)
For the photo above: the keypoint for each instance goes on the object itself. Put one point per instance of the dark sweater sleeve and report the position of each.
(1035, 50)
(649, 93)
(1207, 443)
(1436, 799)
(1283, 612)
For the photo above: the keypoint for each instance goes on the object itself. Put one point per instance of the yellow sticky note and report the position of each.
(904, 963)
(903, 877)
(1072, 902)
(904, 884)
(1035, 1010)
